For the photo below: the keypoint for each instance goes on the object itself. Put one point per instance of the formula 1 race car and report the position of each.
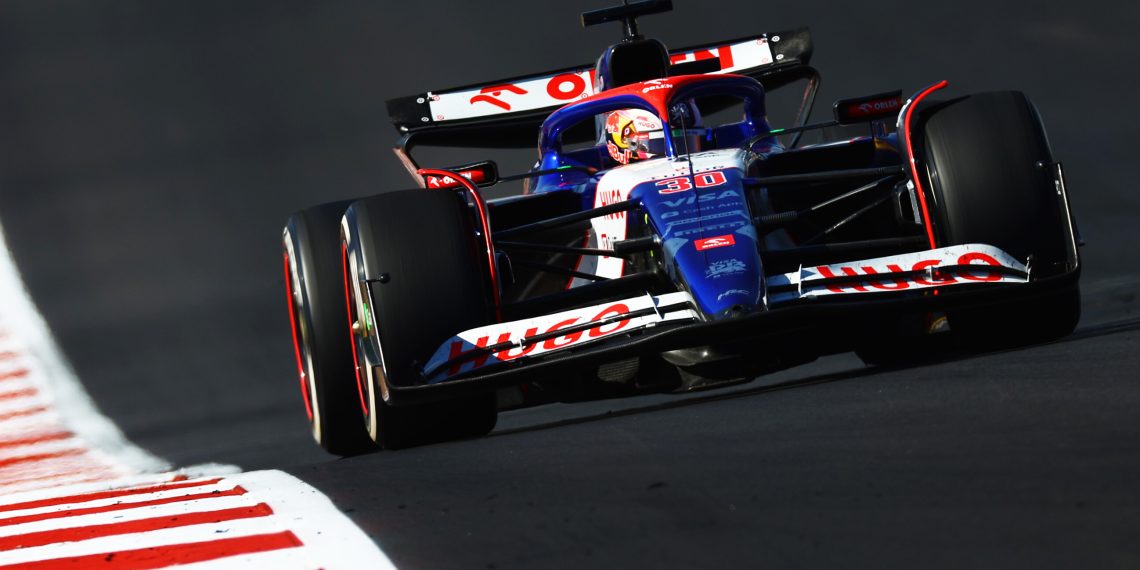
(670, 238)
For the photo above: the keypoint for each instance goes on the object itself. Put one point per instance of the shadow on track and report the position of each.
(697, 400)
(1103, 329)
(951, 355)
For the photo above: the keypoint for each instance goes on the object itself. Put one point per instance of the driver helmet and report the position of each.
(633, 134)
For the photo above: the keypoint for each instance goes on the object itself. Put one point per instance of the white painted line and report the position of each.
(17, 427)
(40, 483)
(40, 473)
(126, 482)
(20, 405)
(223, 485)
(40, 448)
(168, 510)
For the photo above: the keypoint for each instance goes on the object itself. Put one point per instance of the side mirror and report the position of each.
(868, 108)
(485, 173)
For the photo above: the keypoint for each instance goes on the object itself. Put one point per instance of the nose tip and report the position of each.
(735, 311)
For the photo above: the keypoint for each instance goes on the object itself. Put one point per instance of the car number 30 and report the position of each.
(684, 183)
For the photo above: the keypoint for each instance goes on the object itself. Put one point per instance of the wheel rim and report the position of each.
(364, 386)
(301, 333)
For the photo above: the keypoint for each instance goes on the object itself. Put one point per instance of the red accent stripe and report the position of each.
(26, 392)
(171, 555)
(22, 372)
(352, 333)
(54, 501)
(46, 537)
(51, 436)
(22, 413)
(913, 166)
(37, 457)
(236, 491)
(296, 345)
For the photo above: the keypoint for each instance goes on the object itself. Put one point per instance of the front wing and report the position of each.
(814, 305)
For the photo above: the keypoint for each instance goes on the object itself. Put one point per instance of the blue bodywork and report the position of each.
(725, 280)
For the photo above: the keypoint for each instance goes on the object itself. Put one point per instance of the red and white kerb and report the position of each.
(75, 494)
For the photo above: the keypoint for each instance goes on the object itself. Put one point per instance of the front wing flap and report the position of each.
(943, 267)
(504, 342)
(475, 352)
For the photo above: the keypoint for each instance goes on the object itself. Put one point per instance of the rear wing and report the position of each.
(507, 113)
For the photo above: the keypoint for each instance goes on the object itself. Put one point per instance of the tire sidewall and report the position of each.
(423, 242)
(310, 243)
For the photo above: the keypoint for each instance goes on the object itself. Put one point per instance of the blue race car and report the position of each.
(669, 239)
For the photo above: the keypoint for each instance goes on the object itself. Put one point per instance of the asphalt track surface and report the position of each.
(150, 152)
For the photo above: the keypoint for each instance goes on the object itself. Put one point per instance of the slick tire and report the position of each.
(315, 293)
(414, 279)
(989, 167)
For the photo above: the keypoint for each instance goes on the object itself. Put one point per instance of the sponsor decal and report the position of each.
(553, 90)
(457, 346)
(874, 108)
(704, 207)
(437, 182)
(706, 218)
(712, 228)
(703, 199)
(720, 268)
(492, 95)
(524, 95)
(715, 242)
(876, 274)
(566, 87)
(897, 284)
(609, 197)
(513, 333)
(656, 84)
(731, 292)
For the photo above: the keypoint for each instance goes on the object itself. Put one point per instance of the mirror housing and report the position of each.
(868, 108)
(484, 173)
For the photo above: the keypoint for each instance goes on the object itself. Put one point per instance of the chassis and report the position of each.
(947, 223)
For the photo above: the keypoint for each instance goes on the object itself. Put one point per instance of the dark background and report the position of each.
(150, 152)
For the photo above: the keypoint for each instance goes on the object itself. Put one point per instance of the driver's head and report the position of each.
(632, 134)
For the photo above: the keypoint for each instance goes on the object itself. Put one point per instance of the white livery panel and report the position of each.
(516, 331)
(557, 89)
(817, 281)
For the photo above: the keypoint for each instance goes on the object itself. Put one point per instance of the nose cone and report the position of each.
(727, 284)
(725, 281)
(735, 311)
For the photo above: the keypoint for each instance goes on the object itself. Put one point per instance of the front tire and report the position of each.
(990, 172)
(413, 280)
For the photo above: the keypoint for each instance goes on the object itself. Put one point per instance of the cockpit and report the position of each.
(659, 118)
